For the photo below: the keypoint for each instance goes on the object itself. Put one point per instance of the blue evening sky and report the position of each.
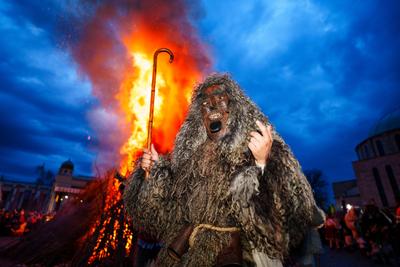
(323, 71)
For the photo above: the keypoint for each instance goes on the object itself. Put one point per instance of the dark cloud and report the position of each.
(323, 72)
(43, 101)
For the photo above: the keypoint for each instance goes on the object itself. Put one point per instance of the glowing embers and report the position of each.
(111, 232)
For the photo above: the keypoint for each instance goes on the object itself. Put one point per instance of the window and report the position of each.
(379, 146)
(397, 140)
(362, 152)
(366, 151)
(379, 186)
(392, 180)
(359, 154)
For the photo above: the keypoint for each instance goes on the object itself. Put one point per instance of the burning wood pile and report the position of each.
(109, 240)
(119, 63)
(59, 240)
(114, 49)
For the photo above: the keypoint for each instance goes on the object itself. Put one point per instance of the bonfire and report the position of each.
(114, 50)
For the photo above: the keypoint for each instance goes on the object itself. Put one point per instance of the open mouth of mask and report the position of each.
(215, 126)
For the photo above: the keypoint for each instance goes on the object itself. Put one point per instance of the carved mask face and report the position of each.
(215, 112)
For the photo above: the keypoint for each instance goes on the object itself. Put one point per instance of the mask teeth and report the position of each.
(214, 116)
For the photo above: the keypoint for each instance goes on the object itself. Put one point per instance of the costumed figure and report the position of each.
(230, 193)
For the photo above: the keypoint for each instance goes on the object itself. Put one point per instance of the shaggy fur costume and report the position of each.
(218, 183)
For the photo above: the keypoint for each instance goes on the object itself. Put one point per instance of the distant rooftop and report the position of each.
(388, 122)
(13, 180)
(84, 177)
(345, 188)
(68, 164)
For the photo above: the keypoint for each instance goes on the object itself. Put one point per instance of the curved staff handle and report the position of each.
(153, 92)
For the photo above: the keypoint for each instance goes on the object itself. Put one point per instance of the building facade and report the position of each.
(66, 186)
(378, 166)
(23, 195)
(347, 192)
(40, 197)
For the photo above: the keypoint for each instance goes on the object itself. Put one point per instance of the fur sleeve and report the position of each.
(147, 201)
(292, 194)
(276, 207)
(260, 229)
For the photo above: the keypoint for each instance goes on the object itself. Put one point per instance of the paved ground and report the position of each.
(342, 258)
(331, 258)
(4, 243)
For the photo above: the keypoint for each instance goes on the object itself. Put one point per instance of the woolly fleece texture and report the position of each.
(218, 183)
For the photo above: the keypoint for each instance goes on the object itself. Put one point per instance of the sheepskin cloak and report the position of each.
(218, 183)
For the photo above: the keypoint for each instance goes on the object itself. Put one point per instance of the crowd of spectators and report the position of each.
(372, 230)
(20, 222)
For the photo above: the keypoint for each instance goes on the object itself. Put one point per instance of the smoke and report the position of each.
(98, 35)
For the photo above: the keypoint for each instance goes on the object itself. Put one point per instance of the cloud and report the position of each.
(62, 60)
(44, 101)
(323, 72)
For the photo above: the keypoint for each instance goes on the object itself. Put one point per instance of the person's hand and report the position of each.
(260, 144)
(149, 158)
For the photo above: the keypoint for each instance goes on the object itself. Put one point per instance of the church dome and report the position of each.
(390, 121)
(67, 165)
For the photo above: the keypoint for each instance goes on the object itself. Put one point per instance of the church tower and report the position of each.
(67, 168)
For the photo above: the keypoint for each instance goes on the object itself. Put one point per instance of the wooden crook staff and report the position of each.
(153, 93)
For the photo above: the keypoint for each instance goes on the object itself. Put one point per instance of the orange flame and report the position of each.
(115, 50)
(98, 254)
(173, 90)
(107, 241)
